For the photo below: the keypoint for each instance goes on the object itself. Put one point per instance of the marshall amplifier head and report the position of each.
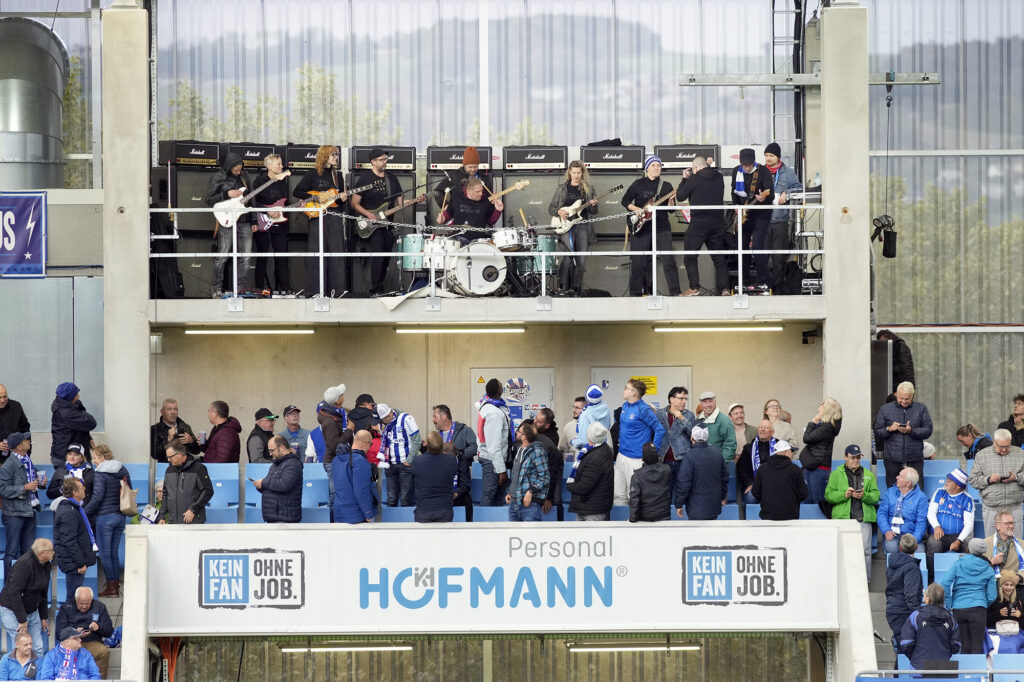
(197, 154)
(680, 156)
(536, 158)
(450, 158)
(300, 156)
(252, 154)
(613, 158)
(399, 158)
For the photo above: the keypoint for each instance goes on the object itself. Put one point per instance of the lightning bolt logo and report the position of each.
(31, 224)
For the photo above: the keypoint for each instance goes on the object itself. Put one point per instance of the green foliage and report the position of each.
(77, 129)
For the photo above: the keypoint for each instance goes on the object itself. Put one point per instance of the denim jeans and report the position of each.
(109, 529)
(35, 628)
(435, 516)
(674, 466)
(225, 245)
(73, 581)
(816, 480)
(519, 513)
(330, 487)
(21, 531)
(492, 494)
(400, 486)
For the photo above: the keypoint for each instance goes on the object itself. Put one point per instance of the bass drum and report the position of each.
(477, 269)
(412, 244)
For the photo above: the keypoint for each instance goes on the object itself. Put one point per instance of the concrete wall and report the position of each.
(74, 234)
(414, 372)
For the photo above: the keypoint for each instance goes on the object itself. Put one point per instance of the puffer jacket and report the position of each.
(282, 490)
(903, 447)
(71, 537)
(818, 441)
(902, 588)
(650, 493)
(186, 487)
(593, 489)
(929, 634)
(70, 423)
(223, 444)
(106, 490)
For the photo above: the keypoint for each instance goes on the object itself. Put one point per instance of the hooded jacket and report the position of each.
(223, 444)
(355, 495)
(186, 487)
(282, 490)
(706, 187)
(57, 481)
(703, 482)
(69, 423)
(593, 412)
(929, 634)
(593, 489)
(223, 181)
(70, 537)
(106, 490)
(969, 583)
(780, 488)
(362, 419)
(902, 588)
(650, 493)
(638, 424)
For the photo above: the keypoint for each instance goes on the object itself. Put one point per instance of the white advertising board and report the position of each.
(659, 381)
(526, 389)
(401, 578)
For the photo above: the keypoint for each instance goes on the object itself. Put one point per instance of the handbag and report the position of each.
(127, 499)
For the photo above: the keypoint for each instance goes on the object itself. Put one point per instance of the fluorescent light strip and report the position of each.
(462, 330)
(718, 329)
(617, 649)
(247, 331)
(315, 650)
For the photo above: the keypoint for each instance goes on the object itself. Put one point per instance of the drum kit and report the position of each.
(480, 268)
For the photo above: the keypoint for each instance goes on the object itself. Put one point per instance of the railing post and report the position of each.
(234, 254)
(322, 212)
(654, 250)
(741, 235)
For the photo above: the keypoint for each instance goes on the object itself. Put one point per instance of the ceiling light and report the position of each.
(461, 330)
(349, 648)
(718, 329)
(248, 331)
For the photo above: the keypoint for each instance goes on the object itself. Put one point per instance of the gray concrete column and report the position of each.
(135, 618)
(844, 109)
(126, 229)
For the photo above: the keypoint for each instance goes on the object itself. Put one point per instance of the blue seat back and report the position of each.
(222, 514)
(316, 515)
(255, 472)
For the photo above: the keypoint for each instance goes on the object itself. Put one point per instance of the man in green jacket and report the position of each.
(853, 493)
(721, 431)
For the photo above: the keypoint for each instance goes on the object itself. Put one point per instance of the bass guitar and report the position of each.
(365, 227)
(226, 218)
(329, 198)
(637, 221)
(575, 211)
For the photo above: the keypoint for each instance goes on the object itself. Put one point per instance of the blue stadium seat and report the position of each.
(91, 580)
(971, 662)
(939, 467)
(255, 472)
(620, 513)
(902, 662)
(45, 516)
(933, 483)
(943, 562)
(753, 512)
(161, 471)
(490, 514)
(730, 512)
(44, 532)
(476, 489)
(139, 472)
(222, 514)
(223, 471)
(550, 516)
(1008, 662)
(568, 516)
(315, 491)
(253, 514)
(399, 514)
(316, 515)
(566, 470)
(459, 515)
(225, 492)
(810, 511)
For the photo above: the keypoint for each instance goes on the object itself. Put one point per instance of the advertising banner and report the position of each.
(23, 234)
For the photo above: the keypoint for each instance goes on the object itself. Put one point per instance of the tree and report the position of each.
(77, 129)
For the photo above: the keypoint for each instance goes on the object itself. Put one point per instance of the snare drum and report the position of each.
(476, 269)
(412, 244)
(546, 242)
(436, 248)
(508, 239)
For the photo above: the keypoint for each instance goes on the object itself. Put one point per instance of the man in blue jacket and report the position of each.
(930, 633)
(902, 586)
(355, 496)
(638, 424)
(903, 509)
(281, 488)
(703, 482)
(901, 427)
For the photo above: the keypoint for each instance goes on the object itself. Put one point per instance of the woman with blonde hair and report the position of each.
(575, 187)
(1008, 605)
(324, 178)
(105, 507)
(816, 457)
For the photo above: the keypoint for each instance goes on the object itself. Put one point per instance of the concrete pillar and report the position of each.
(844, 109)
(135, 618)
(125, 228)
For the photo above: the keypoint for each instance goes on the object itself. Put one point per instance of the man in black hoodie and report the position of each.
(230, 182)
(704, 187)
(779, 485)
(930, 633)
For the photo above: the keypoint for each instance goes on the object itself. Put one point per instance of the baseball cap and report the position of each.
(782, 446)
(747, 156)
(383, 410)
(332, 393)
(69, 632)
(365, 398)
(733, 407)
(290, 408)
(265, 413)
(706, 395)
(854, 450)
(15, 439)
(699, 433)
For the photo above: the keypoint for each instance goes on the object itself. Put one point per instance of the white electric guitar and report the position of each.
(575, 211)
(227, 218)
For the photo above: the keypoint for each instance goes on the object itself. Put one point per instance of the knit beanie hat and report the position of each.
(594, 394)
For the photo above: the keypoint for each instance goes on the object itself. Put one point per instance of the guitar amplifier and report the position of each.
(191, 153)
(450, 158)
(612, 158)
(300, 157)
(535, 158)
(399, 158)
(252, 154)
(680, 156)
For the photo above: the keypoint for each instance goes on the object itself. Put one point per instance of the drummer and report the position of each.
(471, 208)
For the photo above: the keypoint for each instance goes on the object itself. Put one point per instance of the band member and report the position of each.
(470, 207)
(703, 185)
(647, 189)
(576, 187)
(229, 182)
(272, 237)
(752, 184)
(381, 197)
(455, 180)
(325, 177)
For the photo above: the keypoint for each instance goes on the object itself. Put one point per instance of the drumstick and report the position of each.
(523, 216)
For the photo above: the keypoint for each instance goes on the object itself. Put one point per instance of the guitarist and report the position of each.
(376, 199)
(228, 182)
(275, 239)
(752, 184)
(643, 191)
(470, 207)
(324, 177)
(703, 185)
(576, 187)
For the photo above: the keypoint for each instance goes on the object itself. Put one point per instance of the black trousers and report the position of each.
(380, 240)
(972, 629)
(275, 240)
(640, 266)
(712, 236)
(335, 269)
(893, 469)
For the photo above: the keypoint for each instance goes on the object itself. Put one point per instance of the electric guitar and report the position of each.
(365, 227)
(575, 211)
(522, 184)
(227, 218)
(328, 198)
(637, 222)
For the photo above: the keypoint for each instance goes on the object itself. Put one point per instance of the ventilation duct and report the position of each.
(34, 67)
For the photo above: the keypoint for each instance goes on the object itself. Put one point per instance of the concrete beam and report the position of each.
(125, 228)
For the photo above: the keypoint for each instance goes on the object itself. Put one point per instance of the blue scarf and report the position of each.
(334, 411)
(447, 438)
(755, 457)
(498, 402)
(31, 472)
(85, 519)
(579, 458)
(68, 669)
(76, 472)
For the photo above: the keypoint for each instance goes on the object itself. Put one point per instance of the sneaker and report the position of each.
(726, 292)
(691, 292)
(216, 294)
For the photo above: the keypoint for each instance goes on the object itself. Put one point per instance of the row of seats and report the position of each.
(995, 663)
(943, 562)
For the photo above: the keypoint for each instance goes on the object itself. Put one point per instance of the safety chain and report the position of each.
(463, 228)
